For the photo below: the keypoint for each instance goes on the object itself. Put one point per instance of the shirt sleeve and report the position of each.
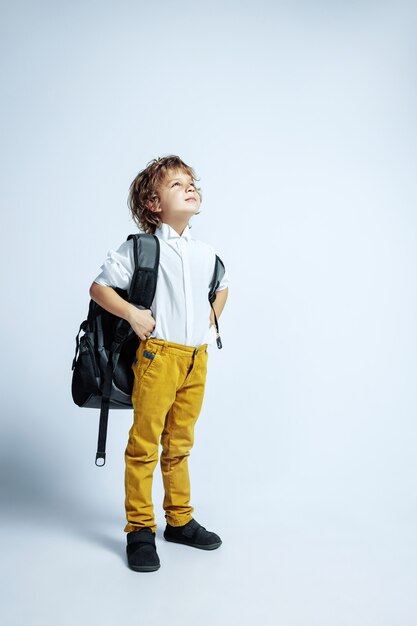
(117, 269)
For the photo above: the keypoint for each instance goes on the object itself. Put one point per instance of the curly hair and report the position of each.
(145, 186)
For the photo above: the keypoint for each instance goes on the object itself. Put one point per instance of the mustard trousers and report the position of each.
(168, 391)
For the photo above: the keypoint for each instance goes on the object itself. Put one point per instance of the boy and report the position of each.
(171, 360)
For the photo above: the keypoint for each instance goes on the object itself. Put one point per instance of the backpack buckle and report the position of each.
(100, 456)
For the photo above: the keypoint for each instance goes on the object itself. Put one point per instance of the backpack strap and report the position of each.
(218, 274)
(146, 251)
(104, 413)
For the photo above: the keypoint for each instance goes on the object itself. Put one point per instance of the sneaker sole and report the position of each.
(210, 546)
(144, 568)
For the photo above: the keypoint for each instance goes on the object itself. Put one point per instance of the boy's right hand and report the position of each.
(141, 321)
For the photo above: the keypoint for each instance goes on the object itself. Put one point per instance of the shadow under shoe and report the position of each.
(141, 551)
(192, 534)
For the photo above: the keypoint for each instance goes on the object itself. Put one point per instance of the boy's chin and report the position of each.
(188, 214)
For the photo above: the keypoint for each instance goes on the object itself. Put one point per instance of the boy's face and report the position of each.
(178, 197)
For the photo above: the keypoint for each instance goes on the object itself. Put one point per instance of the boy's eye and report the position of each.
(177, 183)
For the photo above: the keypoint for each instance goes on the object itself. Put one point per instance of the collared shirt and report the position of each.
(180, 307)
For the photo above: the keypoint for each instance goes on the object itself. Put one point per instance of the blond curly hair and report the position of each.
(145, 188)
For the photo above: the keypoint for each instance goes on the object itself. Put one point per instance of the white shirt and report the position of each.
(180, 308)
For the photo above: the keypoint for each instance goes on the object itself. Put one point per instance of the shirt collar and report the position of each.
(165, 231)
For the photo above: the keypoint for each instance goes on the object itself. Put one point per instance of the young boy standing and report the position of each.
(171, 360)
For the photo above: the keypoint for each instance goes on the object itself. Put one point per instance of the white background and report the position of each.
(300, 121)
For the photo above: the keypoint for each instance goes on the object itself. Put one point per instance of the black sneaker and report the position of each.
(141, 551)
(192, 534)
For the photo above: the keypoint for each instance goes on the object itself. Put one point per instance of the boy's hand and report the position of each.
(141, 321)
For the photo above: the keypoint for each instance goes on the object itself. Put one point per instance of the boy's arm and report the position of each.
(218, 304)
(141, 320)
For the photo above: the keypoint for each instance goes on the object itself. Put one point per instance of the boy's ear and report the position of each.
(152, 206)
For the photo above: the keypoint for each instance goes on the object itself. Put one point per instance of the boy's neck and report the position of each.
(179, 227)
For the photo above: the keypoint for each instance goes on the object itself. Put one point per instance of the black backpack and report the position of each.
(102, 366)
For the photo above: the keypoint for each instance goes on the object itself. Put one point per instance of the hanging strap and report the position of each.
(219, 271)
(104, 413)
(218, 340)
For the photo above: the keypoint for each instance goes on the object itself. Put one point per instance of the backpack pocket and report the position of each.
(86, 374)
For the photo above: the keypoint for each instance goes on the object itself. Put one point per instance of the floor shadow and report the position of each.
(30, 497)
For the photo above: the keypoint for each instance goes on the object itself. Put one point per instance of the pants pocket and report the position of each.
(145, 360)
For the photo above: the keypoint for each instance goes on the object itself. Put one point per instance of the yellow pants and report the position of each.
(167, 398)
